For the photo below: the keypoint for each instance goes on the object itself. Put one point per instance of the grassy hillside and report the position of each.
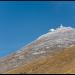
(61, 62)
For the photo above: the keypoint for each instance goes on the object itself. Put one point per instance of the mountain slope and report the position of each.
(53, 52)
(61, 62)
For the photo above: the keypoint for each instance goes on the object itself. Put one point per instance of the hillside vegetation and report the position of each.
(61, 62)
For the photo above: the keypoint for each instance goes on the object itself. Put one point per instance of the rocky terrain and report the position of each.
(53, 52)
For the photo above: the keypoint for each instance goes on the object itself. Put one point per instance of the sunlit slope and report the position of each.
(61, 62)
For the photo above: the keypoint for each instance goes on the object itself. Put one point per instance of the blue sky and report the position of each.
(21, 22)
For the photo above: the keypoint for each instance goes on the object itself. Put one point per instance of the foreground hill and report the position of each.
(60, 62)
(53, 52)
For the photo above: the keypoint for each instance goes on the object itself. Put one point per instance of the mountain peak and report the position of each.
(61, 27)
(55, 41)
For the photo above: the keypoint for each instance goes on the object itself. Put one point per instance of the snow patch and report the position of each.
(47, 47)
(41, 52)
(19, 51)
(21, 57)
(52, 30)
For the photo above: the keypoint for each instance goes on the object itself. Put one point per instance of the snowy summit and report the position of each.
(61, 29)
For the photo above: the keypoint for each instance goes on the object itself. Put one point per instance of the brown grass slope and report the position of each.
(61, 62)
